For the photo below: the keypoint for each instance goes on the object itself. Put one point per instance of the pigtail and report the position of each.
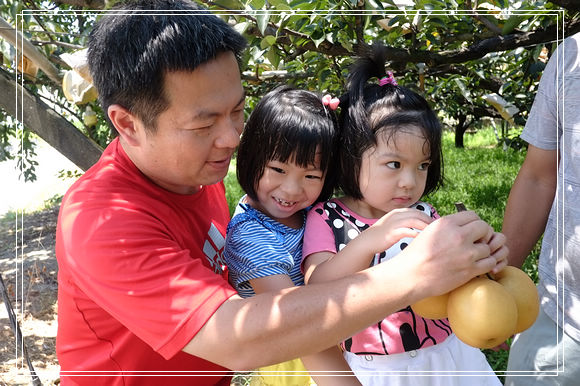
(355, 131)
(371, 106)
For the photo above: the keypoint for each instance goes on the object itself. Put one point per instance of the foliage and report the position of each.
(481, 176)
(453, 52)
(233, 189)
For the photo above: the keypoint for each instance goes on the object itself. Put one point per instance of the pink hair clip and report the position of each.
(389, 79)
(331, 102)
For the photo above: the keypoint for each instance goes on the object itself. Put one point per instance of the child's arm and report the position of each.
(321, 365)
(358, 253)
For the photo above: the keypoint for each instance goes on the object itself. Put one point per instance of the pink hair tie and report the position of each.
(389, 79)
(331, 102)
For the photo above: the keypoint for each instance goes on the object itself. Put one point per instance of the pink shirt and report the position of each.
(329, 227)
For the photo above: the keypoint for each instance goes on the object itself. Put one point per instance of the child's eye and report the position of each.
(394, 164)
(424, 165)
(277, 170)
(313, 177)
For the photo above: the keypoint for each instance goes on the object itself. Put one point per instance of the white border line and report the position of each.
(19, 113)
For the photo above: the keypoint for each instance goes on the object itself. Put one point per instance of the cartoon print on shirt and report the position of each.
(345, 228)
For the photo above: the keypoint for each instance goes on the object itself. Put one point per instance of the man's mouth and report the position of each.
(220, 163)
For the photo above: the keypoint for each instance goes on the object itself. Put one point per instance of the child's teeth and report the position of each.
(284, 203)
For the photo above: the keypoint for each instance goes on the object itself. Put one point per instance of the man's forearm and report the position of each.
(529, 203)
(274, 327)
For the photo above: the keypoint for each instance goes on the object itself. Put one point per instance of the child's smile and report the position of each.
(285, 189)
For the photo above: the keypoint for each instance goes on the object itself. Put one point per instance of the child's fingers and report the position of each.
(407, 217)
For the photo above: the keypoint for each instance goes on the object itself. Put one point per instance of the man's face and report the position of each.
(197, 135)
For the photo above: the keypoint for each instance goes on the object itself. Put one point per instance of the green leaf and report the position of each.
(267, 41)
(229, 4)
(279, 4)
(464, 91)
(512, 23)
(262, 19)
(258, 4)
(273, 57)
(241, 27)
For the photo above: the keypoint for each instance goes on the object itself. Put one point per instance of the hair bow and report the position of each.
(331, 102)
(389, 79)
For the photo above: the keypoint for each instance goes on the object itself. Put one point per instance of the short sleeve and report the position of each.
(542, 123)
(318, 236)
(253, 251)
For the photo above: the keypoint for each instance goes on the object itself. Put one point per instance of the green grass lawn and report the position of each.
(480, 175)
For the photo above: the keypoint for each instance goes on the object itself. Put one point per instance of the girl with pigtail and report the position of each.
(390, 157)
(286, 162)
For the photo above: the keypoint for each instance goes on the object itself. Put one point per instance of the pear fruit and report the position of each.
(433, 307)
(482, 313)
(524, 291)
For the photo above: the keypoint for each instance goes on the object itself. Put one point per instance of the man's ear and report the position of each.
(128, 125)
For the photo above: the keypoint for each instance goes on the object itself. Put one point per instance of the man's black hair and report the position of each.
(132, 47)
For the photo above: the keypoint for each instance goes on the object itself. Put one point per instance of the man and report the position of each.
(142, 289)
(548, 353)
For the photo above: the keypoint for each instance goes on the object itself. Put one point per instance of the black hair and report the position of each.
(368, 109)
(288, 124)
(132, 47)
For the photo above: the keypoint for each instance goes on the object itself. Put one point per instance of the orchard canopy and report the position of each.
(472, 59)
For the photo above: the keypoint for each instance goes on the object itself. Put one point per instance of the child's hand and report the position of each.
(395, 225)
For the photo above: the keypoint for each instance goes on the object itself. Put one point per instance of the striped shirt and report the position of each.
(257, 246)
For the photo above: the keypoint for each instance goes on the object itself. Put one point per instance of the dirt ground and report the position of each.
(29, 271)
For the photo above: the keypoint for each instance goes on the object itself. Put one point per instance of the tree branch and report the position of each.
(358, 23)
(91, 4)
(484, 20)
(571, 5)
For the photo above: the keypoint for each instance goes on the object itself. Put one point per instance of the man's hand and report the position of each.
(450, 251)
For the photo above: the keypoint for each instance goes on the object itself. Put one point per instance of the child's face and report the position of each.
(286, 188)
(393, 174)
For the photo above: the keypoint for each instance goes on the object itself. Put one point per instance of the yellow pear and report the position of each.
(433, 307)
(482, 313)
(524, 291)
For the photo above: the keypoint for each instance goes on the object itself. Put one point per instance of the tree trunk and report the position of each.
(460, 129)
(38, 117)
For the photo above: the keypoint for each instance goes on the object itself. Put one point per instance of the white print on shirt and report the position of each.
(214, 249)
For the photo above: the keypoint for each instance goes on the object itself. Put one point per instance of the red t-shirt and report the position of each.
(140, 272)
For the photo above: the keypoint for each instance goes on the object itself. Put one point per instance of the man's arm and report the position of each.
(356, 256)
(529, 203)
(322, 365)
(277, 326)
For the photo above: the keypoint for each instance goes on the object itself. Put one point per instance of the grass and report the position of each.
(481, 176)
(233, 190)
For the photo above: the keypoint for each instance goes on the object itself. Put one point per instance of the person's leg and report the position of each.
(543, 355)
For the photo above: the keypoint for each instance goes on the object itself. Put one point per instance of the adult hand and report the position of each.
(449, 252)
(499, 251)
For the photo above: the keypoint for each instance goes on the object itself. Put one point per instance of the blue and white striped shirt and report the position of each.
(258, 246)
